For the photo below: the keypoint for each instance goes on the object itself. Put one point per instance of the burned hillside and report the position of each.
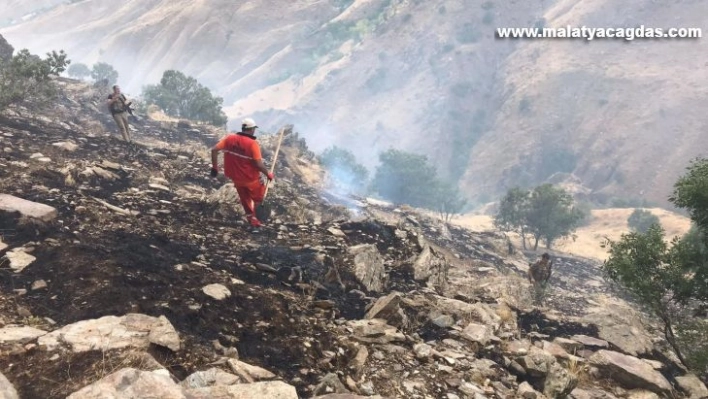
(128, 270)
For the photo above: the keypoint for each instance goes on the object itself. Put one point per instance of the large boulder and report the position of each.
(622, 327)
(263, 389)
(131, 383)
(692, 386)
(630, 372)
(28, 209)
(7, 391)
(369, 267)
(388, 308)
(133, 330)
(429, 265)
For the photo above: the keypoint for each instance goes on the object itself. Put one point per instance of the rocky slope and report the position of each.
(127, 271)
(367, 75)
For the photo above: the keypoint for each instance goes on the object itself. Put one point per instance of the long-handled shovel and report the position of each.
(263, 209)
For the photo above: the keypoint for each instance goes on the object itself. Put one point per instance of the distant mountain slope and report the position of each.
(617, 118)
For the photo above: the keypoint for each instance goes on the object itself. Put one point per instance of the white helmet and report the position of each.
(248, 123)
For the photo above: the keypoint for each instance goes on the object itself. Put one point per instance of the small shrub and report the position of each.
(487, 5)
(488, 18)
(641, 220)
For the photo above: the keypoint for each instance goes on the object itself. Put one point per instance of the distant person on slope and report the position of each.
(118, 105)
(540, 272)
(243, 164)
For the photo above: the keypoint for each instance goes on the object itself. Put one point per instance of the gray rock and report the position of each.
(7, 390)
(590, 341)
(630, 372)
(19, 259)
(263, 389)
(216, 291)
(423, 351)
(640, 394)
(559, 382)
(477, 333)
(29, 209)
(19, 334)
(526, 391)
(387, 308)
(375, 331)
(330, 384)
(692, 386)
(568, 345)
(346, 396)
(622, 328)
(208, 378)
(369, 267)
(133, 330)
(249, 373)
(131, 383)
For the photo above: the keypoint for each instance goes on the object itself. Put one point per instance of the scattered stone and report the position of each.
(208, 378)
(441, 320)
(336, 232)
(569, 345)
(477, 333)
(358, 362)
(38, 285)
(66, 146)
(249, 372)
(375, 331)
(590, 341)
(7, 390)
(216, 291)
(330, 384)
(387, 308)
(19, 259)
(423, 351)
(526, 391)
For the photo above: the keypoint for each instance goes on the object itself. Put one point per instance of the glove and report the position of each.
(214, 171)
(271, 176)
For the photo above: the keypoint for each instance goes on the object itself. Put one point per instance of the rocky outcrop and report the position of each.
(369, 267)
(692, 386)
(630, 371)
(7, 391)
(131, 383)
(27, 209)
(113, 332)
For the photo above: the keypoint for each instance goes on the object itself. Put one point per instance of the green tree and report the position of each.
(511, 216)
(640, 220)
(447, 199)
(26, 77)
(183, 96)
(102, 70)
(551, 214)
(344, 168)
(404, 178)
(669, 280)
(79, 71)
